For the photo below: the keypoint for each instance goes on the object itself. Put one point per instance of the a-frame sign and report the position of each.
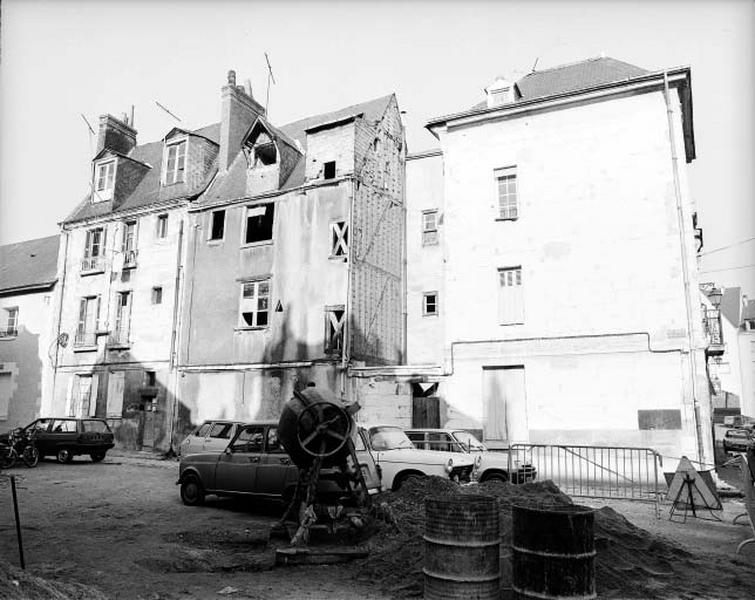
(692, 491)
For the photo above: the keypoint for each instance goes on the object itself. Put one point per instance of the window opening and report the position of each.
(429, 227)
(255, 302)
(105, 176)
(329, 170)
(122, 318)
(162, 226)
(150, 378)
(11, 323)
(89, 309)
(217, 225)
(339, 238)
(259, 223)
(334, 322)
(157, 295)
(176, 163)
(249, 440)
(510, 298)
(508, 205)
(129, 243)
(430, 303)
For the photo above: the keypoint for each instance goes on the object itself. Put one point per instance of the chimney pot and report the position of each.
(231, 77)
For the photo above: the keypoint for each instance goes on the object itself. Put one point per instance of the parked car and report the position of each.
(66, 437)
(737, 440)
(399, 459)
(490, 465)
(210, 436)
(255, 464)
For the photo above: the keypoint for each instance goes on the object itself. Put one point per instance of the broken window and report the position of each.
(508, 205)
(510, 297)
(429, 227)
(217, 225)
(176, 163)
(259, 223)
(254, 303)
(329, 170)
(339, 239)
(334, 321)
(162, 226)
(429, 303)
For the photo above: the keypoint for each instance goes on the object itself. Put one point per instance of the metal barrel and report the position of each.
(462, 548)
(553, 552)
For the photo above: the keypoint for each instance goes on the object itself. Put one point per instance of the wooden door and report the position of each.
(425, 412)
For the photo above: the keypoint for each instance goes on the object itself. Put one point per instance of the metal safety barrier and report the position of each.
(628, 473)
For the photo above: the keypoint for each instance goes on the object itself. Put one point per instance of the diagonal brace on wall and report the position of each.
(375, 231)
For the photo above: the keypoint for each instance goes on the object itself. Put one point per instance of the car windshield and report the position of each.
(389, 438)
(469, 441)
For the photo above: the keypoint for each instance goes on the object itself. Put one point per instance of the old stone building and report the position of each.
(567, 296)
(296, 257)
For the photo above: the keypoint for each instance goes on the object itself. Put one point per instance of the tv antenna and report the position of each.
(269, 78)
(91, 131)
(535, 65)
(167, 111)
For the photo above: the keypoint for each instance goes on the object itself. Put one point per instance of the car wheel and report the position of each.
(401, 480)
(192, 493)
(502, 477)
(64, 456)
(30, 456)
(97, 456)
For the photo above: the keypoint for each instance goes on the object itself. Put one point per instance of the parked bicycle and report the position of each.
(20, 444)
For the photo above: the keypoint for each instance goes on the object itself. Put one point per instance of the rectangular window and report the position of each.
(329, 170)
(129, 244)
(429, 227)
(510, 298)
(86, 331)
(105, 176)
(334, 321)
(339, 239)
(150, 378)
(508, 204)
(157, 295)
(259, 223)
(122, 329)
(11, 323)
(162, 226)
(94, 250)
(176, 163)
(429, 303)
(254, 306)
(217, 225)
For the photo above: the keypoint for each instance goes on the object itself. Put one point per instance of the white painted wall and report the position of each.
(747, 358)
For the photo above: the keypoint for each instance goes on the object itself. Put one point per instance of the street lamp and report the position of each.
(715, 296)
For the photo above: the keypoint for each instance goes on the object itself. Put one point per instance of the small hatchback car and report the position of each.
(255, 464)
(65, 438)
(738, 440)
(210, 436)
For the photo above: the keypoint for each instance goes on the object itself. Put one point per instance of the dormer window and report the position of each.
(265, 152)
(104, 181)
(500, 92)
(175, 163)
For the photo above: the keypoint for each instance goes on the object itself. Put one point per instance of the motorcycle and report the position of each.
(20, 444)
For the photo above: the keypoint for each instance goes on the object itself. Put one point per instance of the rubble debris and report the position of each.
(630, 562)
(16, 584)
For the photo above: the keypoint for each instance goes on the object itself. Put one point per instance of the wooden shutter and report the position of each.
(115, 385)
(94, 394)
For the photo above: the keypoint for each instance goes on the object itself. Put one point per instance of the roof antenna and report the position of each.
(167, 111)
(91, 132)
(535, 65)
(269, 77)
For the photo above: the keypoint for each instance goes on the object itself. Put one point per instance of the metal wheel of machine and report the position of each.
(323, 429)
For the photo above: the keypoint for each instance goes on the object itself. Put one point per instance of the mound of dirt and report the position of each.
(630, 562)
(16, 584)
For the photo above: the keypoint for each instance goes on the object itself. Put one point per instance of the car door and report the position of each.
(236, 470)
(62, 433)
(275, 471)
(39, 428)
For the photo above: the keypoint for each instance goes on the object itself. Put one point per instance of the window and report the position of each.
(265, 152)
(334, 321)
(221, 431)
(11, 322)
(429, 227)
(508, 207)
(162, 226)
(259, 223)
(203, 430)
(105, 176)
(157, 295)
(249, 440)
(94, 250)
(339, 239)
(274, 445)
(217, 225)
(329, 170)
(510, 300)
(89, 310)
(66, 425)
(122, 329)
(255, 303)
(176, 163)
(150, 379)
(129, 244)
(429, 304)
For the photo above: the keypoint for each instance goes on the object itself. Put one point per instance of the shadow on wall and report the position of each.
(21, 372)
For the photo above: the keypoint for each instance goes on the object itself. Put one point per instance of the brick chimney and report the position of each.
(238, 110)
(116, 134)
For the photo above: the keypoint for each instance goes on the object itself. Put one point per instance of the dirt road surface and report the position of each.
(120, 526)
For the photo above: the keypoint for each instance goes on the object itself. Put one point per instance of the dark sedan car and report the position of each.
(65, 438)
(255, 464)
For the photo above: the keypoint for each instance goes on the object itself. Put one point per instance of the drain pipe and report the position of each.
(685, 268)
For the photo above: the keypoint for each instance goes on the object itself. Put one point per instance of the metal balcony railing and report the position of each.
(8, 332)
(93, 264)
(85, 339)
(118, 337)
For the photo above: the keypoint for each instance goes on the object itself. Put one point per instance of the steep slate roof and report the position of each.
(149, 190)
(29, 264)
(573, 77)
(232, 185)
(731, 305)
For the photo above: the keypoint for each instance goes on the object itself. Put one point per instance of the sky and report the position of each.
(64, 59)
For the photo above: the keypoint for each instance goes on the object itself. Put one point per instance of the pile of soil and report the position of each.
(16, 584)
(630, 562)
